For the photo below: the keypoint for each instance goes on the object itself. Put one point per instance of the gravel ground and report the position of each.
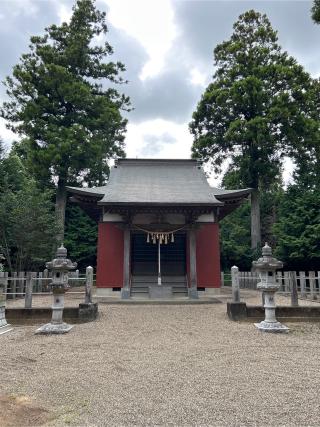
(165, 365)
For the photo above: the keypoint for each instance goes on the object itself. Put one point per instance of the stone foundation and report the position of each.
(107, 292)
(242, 311)
(83, 313)
(208, 292)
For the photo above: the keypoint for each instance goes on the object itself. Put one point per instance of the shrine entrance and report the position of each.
(148, 256)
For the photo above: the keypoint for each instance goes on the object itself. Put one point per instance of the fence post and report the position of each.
(312, 285)
(294, 289)
(14, 285)
(279, 280)
(222, 278)
(40, 282)
(89, 283)
(235, 284)
(46, 282)
(76, 276)
(286, 281)
(21, 284)
(302, 277)
(28, 293)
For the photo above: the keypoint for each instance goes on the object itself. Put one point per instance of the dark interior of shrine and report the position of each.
(144, 256)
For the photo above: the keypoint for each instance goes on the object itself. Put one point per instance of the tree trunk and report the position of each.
(255, 219)
(60, 208)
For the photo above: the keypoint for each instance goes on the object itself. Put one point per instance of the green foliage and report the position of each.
(290, 224)
(235, 239)
(1, 149)
(259, 108)
(315, 10)
(255, 105)
(71, 120)
(27, 221)
(297, 229)
(307, 155)
(235, 231)
(81, 237)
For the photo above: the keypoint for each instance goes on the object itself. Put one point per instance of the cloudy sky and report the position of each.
(167, 48)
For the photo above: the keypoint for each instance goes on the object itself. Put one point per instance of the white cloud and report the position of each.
(64, 12)
(139, 134)
(6, 135)
(179, 147)
(198, 78)
(25, 7)
(288, 169)
(151, 23)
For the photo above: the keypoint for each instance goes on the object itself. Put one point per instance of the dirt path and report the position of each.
(161, 365)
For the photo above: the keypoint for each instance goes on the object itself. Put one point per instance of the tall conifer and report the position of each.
(64, 103)
(254, 111)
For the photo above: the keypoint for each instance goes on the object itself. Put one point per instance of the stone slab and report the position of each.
(6, 328)
(54, 329)
(159, 301)
(212, 291)
(162, 291)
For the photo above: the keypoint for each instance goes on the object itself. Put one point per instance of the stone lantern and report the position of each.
(4, 326)
(266, 266)
(60, 267)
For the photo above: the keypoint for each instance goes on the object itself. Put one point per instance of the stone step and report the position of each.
(146, 285)
(140, 284)
(145, 289)
(154, 279)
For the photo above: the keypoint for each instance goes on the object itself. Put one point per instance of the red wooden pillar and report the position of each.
(208, 256)
(109, 256)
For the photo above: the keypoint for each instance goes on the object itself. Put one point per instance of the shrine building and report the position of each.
(158, 229)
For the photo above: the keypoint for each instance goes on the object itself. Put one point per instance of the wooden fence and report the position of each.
(26, 284)
(306, 283)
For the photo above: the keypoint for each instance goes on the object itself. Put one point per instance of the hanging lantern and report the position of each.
(172, 238)
(148, 238)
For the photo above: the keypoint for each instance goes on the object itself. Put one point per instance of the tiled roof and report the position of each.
(156, 181)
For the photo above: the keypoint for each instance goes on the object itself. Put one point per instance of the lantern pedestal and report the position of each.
(270, 323)
(4, 326)
(56, 326)
(265, 326)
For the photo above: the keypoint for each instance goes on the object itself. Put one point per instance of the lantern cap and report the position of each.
(266, 250)
(61, 252)
(61, 262)
(267, 262)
